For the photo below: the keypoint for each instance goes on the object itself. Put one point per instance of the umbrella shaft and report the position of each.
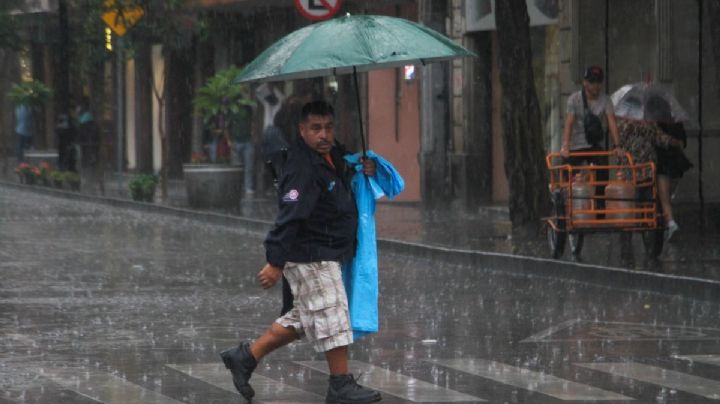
(359, 106)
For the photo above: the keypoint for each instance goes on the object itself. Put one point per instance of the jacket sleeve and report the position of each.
(661, 139)
(300, 193)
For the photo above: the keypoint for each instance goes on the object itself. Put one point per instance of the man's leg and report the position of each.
(243, 359)
(600, 175)
(277, 336)
(20, 149)
(337, 360)
(343, 386)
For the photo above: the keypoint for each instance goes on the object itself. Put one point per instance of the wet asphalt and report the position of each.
(101, 304)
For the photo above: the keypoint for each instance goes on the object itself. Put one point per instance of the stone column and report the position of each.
(434, 114)
(470, 148)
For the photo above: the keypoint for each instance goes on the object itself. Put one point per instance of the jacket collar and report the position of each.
(336, 153)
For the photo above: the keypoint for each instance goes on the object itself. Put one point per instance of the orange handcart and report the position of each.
(582, 204)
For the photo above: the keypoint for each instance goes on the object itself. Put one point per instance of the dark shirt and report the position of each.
(88, 134)
(241, 126)
(287, 119)
(676, 130)
(317, 219)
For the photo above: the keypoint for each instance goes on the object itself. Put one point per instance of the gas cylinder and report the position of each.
(582, 194)
(620, 194)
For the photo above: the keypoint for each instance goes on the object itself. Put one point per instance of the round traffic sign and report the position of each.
(318, 10)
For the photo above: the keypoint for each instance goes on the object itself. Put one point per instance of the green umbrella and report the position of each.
(350, 44)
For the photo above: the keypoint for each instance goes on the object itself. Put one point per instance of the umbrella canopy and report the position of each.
(350, 44)
(648, 102)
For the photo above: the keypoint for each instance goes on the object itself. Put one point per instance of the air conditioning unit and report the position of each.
(480, 14)
(36, 6)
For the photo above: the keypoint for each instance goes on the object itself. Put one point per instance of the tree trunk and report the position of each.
(522, 130)
(179, 109)
(143, 109)
(714, 24)
(3, 135)
(62, 69)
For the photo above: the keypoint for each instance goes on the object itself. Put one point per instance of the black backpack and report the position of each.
(594, 133)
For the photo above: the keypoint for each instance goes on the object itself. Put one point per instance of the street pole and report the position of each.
(120, 71)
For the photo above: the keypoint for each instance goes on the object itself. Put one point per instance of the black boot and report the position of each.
(345, 390)
(241, 364)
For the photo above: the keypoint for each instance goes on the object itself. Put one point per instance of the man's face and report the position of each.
(592, 87)
(318, 132)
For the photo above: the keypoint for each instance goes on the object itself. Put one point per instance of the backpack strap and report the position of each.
(585, 104)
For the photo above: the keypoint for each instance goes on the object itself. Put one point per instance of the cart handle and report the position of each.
(549, 158)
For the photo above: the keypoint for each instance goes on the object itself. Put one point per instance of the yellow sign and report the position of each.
(121, 18)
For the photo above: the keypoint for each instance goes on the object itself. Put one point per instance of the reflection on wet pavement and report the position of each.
(101, 304)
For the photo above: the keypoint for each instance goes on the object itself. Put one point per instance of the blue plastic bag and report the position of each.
(361, 274)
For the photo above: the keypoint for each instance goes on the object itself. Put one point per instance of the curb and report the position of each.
(207, 217)
(487, 261)
(617, 278)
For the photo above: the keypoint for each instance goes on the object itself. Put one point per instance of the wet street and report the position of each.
(109, 305)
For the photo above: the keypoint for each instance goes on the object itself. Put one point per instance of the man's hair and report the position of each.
(320, 108)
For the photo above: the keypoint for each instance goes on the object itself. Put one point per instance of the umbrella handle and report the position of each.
(357, 96)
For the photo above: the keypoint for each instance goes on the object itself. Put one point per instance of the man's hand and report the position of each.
(269, 275)
(369, 166)
(564, 152)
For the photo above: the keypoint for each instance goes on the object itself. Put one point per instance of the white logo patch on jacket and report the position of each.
(291, 196)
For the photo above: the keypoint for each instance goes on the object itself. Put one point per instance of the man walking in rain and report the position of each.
(314, 232)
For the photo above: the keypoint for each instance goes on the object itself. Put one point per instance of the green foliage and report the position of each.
(172, 23)
(87, 40)
(57, 176)
(71, 177)
(220, 98)
(31, 93)
(142, 187)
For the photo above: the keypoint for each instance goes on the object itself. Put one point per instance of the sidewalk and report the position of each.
(694, 250)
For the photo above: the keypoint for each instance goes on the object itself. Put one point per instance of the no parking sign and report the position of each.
(318, 10)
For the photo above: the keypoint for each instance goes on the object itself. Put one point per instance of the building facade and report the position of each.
(441, 126)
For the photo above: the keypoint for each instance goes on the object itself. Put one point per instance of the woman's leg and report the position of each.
(664, 193)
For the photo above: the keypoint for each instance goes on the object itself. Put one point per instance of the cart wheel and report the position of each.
(653, 241)
(576, 241)
(556, 238)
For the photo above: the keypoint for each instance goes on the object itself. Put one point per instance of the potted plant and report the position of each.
(142, 187)
(23, 171)
(220, 97)
(57, 178)
(45, 171)
(72, 180)
(32, 93)
(217, 184)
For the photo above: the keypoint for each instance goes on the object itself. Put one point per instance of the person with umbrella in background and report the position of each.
(671, 163)
(651, 129)
(313, 234)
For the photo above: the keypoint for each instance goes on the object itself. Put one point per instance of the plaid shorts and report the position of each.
(320, 310)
